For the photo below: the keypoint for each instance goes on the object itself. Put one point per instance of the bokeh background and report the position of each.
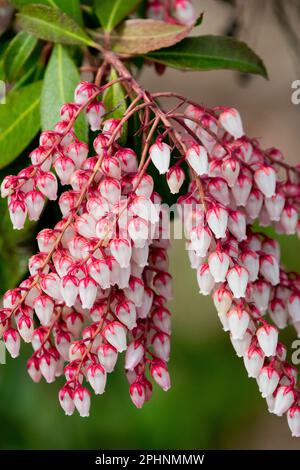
(212, 404)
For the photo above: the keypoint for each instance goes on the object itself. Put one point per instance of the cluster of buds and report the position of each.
(236, 184)
(172, 11)
(99, 283)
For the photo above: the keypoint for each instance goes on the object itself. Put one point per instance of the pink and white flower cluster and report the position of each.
(99, 283)
(172, 11)
(253, 294)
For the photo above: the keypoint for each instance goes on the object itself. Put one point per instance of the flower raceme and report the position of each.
(99, 285)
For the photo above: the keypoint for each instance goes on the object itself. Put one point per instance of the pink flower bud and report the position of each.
(128, 160)
(144, 310)
(11, 298)
(161, 345)
(254, 360)
(293, 417)
(145, 187)
(200, 240)
(237, 225)
(96, 375)
(274, 206)
(8, 185)
(254, 203)
(230, 171)
(237, 278)
(198, 159)
(87, 292)
(35, 203)
(135, 291)
(161, 318)
(205, 280)
(74, 322)
(50, 285)
(222, 300)
(218, 188)
(269, 269)
(278, 313)
(78, 152)
(285, 397)
(293, 306)
(241, 190)
(98, 207)
(183, 11)
(40, 157)
(110, 189)
(47, 184)
(17, 212)
(66, 400)
(121, 250)
(110, 127)
(64, 167)
(217, 219)
(160, 374)
(48, 367)
(137, 394)
(218, 263)
(69, 289)
(95, 112)
(241, 345)
(68, 111)
(101, 144)
(115, 334)
(238, 321)
(126, 312)
(33, 369)
(100, 272)
(231, 121)
(111, 167)
(265, 178)
(107, 356)
(267, 380)
(160, 155)
(134, 354)
(289, 219)
(267, 336)
(25, 327)
(84, 91)
(82, 401)
(175, 179)
(12, 342)
(250, 261)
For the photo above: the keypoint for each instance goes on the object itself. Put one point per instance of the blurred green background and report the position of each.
(212, 404)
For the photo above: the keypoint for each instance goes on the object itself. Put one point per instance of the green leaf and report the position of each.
(141, 36)
(61, 78)
(112, 12)
(115, 102)
(52, 25)
(17, 54)
(210, 52)
(71, 7)
(19, 121)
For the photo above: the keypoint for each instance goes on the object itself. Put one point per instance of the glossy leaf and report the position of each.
(71, 7)
(52, 25)
(141, 36)
(60, 81)
(112, 12)
(210, 52)
(19, 121)
(115, 102)
(17, 54)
